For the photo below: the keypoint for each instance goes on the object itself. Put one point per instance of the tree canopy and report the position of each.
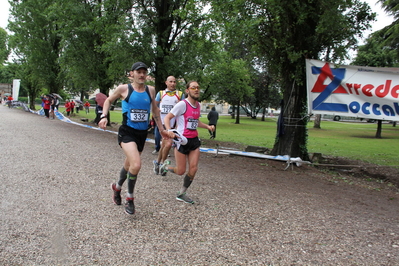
(4, 51)
(286, 34)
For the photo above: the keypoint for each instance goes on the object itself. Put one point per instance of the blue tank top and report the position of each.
(136, 109)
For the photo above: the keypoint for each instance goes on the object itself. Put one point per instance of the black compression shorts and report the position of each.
(128, 134)
(192, 144)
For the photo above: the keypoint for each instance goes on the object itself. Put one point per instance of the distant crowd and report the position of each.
(51, 102)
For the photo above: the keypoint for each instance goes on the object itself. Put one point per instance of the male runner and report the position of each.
(166, 100)
(137, 100)
(187, 113)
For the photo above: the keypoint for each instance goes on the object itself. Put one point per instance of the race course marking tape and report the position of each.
(297, 161)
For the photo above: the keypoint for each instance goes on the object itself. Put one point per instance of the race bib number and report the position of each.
(192, 123)
(138, 115)
(165, 109)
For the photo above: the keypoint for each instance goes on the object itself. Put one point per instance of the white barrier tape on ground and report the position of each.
(61, 117)
(296, 160)
(215, 151)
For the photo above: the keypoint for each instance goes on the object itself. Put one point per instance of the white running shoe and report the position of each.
(179, 139)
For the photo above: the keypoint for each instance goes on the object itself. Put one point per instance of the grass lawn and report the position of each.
(354, 140)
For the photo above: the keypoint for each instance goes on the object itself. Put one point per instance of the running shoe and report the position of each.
(183, 197)
(155, 152)
(129, 206)
(179, 139)
(163, 169)
(117, 195)
(156, 167)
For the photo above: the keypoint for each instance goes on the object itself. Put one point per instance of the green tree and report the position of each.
(391, 32)
(235, 24)
(267, 94)
(4, 51)
(36, 41)
(95, 45)
(228, 80)
(7, 73)
(288, 32)
(375, 53)
(172, 37)
(179, 36)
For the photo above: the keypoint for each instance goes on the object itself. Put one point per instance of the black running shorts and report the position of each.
(128, 134)
(192, 144)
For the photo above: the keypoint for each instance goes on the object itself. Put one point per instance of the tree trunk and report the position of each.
(32, 102)
(163, 24)
(379, 128)
(233, 112)
(317, 121)
(293, 141)
(263, 114)
(238, 113)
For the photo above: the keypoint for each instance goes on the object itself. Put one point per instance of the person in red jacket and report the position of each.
(72, 103)
(9, 101)
(67, 107)
(46, 105)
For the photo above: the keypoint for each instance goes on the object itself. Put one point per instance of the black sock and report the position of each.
(131, 183)
(122, 176)
(186, 184)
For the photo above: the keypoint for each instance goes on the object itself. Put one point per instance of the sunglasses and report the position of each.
(194, 88)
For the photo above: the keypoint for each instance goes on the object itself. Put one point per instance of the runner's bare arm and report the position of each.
(203, 125)
(118, 93)
(156, 113)
(166, 120)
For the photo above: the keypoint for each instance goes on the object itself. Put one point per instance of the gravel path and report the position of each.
(56, 207)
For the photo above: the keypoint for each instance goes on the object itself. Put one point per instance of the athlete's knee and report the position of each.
(179, 171)
(193, 170)
(134, 167)
(168, 144)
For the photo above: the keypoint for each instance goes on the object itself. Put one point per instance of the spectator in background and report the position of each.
(9, 101)
(72, 103)
(57, 103)
(68, 107)
(46, 105)
(52, 107)
(87, 106)
(213, 117)
(77, 107)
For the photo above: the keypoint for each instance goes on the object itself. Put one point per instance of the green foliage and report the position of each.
(267, 93)
(7, 73)
(228, 80)
(389, 35)
(92, 57)
(288, 32)
(375, 54)
(4, 51)
(180, 38)
(36, 42)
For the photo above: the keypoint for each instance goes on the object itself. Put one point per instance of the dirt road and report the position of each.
(56, 207)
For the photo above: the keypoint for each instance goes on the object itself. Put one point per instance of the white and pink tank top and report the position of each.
(187, 118)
